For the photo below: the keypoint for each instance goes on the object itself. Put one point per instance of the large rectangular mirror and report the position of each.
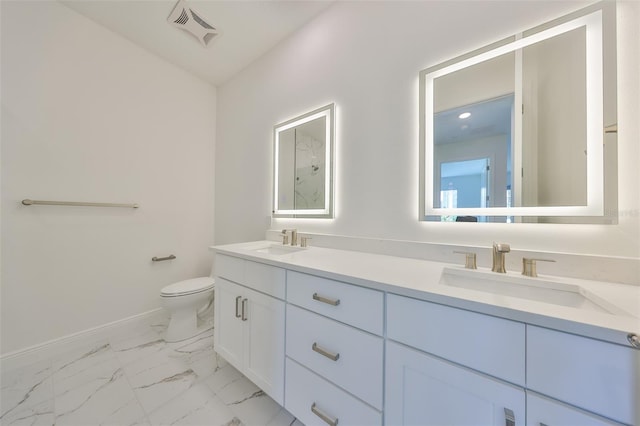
(516, 131)
(303, 165)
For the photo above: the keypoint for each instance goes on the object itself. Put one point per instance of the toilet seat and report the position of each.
(192, 286)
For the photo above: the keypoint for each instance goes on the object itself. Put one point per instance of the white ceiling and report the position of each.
(248, 29)
(488, 118)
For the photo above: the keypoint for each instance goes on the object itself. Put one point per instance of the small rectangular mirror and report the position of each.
(303, 165)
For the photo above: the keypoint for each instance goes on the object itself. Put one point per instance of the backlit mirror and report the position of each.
(303, 165)
(516, 131)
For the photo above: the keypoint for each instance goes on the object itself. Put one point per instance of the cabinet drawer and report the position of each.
(304, 390)
(265, 278)
(357, 306)
(491, 345)
(597, 376)
(545, 411)
(231, 268)
(358, 367)
(258, 276)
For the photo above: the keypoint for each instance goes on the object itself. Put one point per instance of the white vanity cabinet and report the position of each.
(334, 352)
(470, 368)
(250, 321)
(444, 366)
(334, 349)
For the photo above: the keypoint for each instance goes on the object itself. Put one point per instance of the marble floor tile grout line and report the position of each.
(146, 415)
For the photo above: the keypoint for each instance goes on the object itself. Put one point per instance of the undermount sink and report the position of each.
(279, 249)
(535, 289)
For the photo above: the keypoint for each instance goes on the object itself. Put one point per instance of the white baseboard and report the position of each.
(60, 345)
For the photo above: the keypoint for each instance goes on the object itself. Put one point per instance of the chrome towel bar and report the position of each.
(160, 259)
(28, 202)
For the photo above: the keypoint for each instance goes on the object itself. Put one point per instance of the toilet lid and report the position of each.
(193, 285)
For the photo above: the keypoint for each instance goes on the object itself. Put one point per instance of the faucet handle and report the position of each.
(285, 239)
(501, 247)
(469, 259)
(529, 266)
(303, 241)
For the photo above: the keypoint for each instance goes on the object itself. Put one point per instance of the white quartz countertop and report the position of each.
(421, 279)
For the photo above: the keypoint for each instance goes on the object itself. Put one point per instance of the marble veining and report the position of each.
(26, 389)
(135, 378)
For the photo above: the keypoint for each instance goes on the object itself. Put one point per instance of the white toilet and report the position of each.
(184, 300)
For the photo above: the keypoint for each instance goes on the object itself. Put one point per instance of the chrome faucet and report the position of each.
(294, 236)
(499, 250)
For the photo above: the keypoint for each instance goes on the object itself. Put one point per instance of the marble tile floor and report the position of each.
(136, 378)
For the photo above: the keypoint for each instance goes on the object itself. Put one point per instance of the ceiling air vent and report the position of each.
(185, 18)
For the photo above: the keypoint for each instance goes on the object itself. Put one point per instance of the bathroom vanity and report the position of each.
(345, 337)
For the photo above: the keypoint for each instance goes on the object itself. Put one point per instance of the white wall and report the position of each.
(554, 121)
(365, 57)
(88, 116)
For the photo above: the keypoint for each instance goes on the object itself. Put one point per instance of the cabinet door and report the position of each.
(264, 343)
(228, 330)
(424, 390)
(543, 411)
(597, 376)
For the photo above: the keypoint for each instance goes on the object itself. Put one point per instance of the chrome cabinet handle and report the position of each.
(244, 310)
(332, 302)
(160, 259)
(509, 417)
(328, 420)
(633, 340)
(237, 308)
(324, 352)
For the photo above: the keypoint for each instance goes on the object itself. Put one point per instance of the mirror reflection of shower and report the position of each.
(309, 165)
(303, 146)
(303, 165)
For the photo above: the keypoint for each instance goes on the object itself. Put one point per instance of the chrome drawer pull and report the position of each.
(328, 420)
(633, 340)
(332, 357)
(160, 259)
(509, 417)
(333, 302)
(237, 308)
(244, 310)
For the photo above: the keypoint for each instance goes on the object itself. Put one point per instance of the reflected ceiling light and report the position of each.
(464, 115)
